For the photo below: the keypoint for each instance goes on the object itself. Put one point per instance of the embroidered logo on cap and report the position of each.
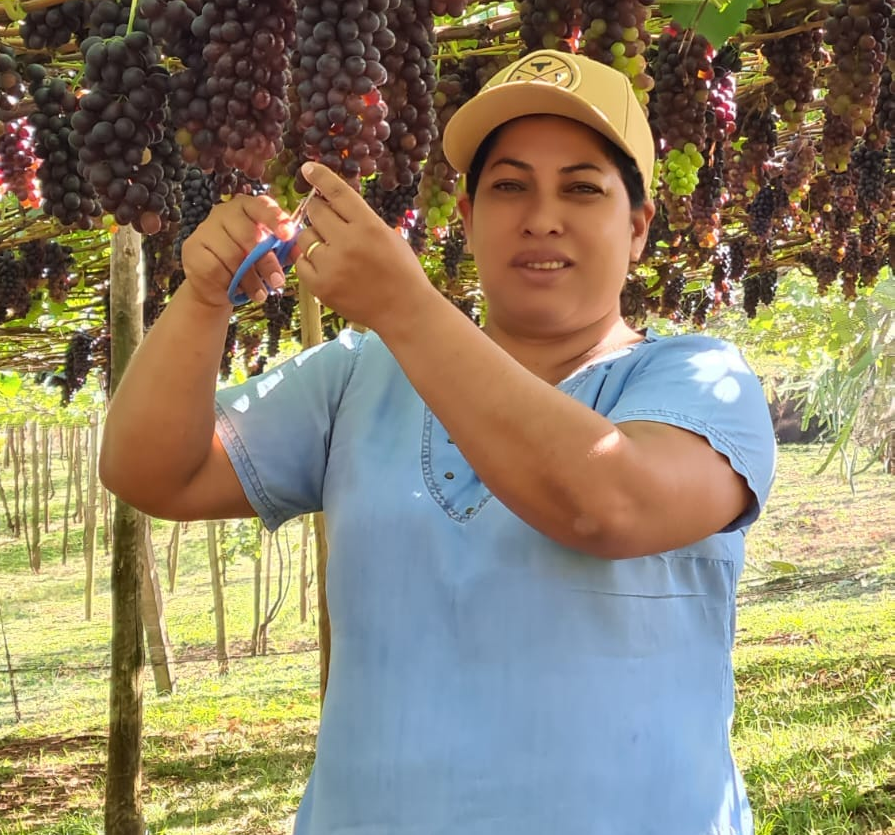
(547, 69)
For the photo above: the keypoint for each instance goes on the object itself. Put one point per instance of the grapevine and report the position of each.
(337, 72)
(549, 24)
(65, 193)
(120, 117)
(15, 299)
(78, 362)
(18, 163)
(856, 31)
(615, 33)
(53, 27)
(683, 71)
(247, 54)
(408, 94)
(791, 65)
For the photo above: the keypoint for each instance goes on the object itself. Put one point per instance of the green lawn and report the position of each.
(231, 754)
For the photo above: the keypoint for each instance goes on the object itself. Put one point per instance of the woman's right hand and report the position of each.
(215, 251)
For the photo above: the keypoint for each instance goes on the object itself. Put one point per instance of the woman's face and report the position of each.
(552, 230)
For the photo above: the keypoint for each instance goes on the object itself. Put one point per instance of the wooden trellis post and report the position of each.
(34, 549)
(90, 515)
(312, 334)
(124, 771)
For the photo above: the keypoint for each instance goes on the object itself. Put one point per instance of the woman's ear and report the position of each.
(464, 206)
(640, 223)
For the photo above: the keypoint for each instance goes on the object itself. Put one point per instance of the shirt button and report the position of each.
(470, 511)
(450, 441)
(448, 475)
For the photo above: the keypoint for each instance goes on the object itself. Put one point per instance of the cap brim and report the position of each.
(469, 126)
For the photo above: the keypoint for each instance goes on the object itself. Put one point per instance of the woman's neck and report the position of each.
(553, 358)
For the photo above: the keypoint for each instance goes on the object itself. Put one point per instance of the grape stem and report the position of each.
(479, 30)
(131, 17)
(34, 5)
(784, 33)
(454, 54)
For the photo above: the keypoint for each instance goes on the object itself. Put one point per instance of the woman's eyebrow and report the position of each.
(516, 163)
(581, 166)
(568, 169)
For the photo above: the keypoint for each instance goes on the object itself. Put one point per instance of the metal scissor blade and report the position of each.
(301, 209)
(270, 243)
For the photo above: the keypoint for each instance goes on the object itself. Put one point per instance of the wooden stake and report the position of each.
(34, 550)
(79, 476)
(217, 591)
(9, 523)
(124, 769)
(303, 573)
(90, 516)
(160, 652)
(46, 479)
(173, 555)
(68, 484)
(12, 681)
(11, 437)
(311, 335)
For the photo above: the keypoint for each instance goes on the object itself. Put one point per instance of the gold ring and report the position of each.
(312, 247)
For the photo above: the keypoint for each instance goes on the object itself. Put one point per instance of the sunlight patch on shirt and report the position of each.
(717, 368)
(305, 355)
(241, 404)
(268, 383)
(346, 338)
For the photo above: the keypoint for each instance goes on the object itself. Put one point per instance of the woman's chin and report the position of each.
(536, 320)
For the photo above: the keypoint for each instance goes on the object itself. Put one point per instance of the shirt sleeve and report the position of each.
(704, 385)
(276, 428)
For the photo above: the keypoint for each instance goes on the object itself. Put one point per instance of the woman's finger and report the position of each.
(264, 212)
(306, 238)
(258, 284)
(343, 200)
(270, 270)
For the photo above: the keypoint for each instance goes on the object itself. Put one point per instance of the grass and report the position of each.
(814, 674)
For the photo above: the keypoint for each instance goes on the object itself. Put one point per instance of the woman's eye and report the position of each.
(586, 188)
(507, 185)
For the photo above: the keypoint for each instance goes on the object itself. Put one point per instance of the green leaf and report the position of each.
(10, 383)
(13, 9)
(884, 293)
(34, 313)
(716, 20)
(782, 567)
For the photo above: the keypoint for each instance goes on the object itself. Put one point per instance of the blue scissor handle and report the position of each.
(279, 247)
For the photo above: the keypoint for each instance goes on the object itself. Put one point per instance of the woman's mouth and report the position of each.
(541, 263)
(545, 265)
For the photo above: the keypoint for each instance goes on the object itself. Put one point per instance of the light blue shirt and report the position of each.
(485, 680)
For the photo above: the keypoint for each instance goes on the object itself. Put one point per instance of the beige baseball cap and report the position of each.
(547, 82)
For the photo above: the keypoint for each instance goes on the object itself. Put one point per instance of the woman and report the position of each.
(535, 528)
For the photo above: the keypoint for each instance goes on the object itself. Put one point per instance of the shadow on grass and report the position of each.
(826, 713)
(866, 811)
(852, 671)
(844, 584)
(811, 693)
(275, 765)
(37, 789)
(214, 816)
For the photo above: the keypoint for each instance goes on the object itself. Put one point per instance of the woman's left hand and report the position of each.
(352, 261)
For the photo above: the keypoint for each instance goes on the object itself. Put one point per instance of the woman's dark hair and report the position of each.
(628, 169)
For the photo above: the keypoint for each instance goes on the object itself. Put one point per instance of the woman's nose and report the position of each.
(543, 217)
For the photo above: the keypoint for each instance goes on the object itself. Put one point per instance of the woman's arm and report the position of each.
(159, 451)
(609, 490)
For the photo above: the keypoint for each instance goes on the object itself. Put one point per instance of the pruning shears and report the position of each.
(271, 243)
